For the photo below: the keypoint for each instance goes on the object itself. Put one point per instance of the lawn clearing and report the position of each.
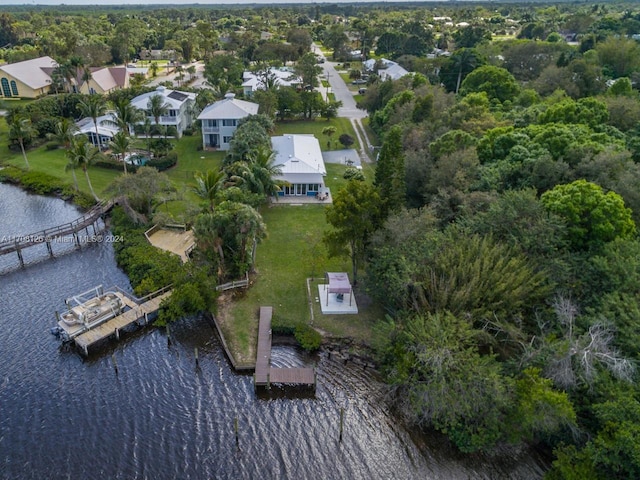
(315, 127)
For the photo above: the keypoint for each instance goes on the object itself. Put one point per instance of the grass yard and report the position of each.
(343, 125)
(292, 253)
(53, 162)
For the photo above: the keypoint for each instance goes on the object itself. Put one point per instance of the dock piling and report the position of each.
(195, 351)
(341, 422)
(115, 364)
(236, 429)
(168, 336)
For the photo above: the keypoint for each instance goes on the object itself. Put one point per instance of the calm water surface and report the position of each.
(62, 416)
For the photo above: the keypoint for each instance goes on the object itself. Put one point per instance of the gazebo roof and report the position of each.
(338, 282)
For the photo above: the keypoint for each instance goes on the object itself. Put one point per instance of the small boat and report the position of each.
(91, 308)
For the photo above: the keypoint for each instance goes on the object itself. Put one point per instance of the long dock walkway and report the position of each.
(265, 375)
(19, 243)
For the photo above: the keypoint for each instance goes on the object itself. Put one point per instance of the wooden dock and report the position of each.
(265, 375)
(19, 243)
(139, 314)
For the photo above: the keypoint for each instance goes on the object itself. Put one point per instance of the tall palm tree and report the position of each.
(83, 154)
(21, 130)
(147, 132)
(120, 145)
(464, 61)
(209, 185)
(93, 107)
(72, 164)
(64, 134)
(125, 115)
(157, 108)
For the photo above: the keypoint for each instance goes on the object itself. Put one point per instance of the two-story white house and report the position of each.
(220, 120)
(179, 111)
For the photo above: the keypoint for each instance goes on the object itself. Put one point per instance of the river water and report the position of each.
(63, 417)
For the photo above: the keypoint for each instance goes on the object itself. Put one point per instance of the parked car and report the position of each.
(359, 81)
(362, 91)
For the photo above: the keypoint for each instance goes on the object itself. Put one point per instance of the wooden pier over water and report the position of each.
(265, 375)
(20, 242)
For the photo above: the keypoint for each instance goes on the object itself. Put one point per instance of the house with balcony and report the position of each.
(301, 164)
(220, 120)
(179, 108)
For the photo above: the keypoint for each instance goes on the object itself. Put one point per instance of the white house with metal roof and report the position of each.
(388, 69)
(278, 77)
(107, 128)
(180, 107)
(220, 120)
(300, 160)
(28, 79)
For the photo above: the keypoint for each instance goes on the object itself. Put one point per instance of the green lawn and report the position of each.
(292, 252)
(53, 162)
(343, 125)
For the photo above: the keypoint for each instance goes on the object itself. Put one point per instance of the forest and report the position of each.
(500, 230)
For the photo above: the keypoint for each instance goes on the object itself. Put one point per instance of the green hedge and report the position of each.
(115, 165)
(164, 163)
(45, 184)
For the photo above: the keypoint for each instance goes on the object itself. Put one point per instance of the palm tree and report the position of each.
(157, 108)
(72, 165)
(465, 60)
(147, 131)
(260, 170)
(191, 70)
(83, 154)
(64, 132)
(64, 73)
(20, 129)
(86, 76)
(329, 131)
(120, 145)
(93, 107)
(154, 69)
(125, 115)
(180, 73)
(209, 185)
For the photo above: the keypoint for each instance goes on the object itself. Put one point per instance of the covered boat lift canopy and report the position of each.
(338, 284)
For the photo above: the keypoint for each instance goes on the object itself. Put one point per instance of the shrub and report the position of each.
(307, 337)
(346, 140)
(352, 173)
(115, 165)
(164, 163)
(51, 146)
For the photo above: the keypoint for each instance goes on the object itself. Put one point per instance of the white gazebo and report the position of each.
(332, 294)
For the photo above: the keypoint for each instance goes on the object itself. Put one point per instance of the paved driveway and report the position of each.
(342, 156)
